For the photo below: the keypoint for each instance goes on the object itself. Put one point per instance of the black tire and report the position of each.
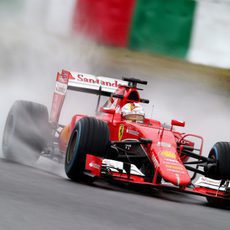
(220, 152)
(217, 202)
(89, 136)
(26, 132)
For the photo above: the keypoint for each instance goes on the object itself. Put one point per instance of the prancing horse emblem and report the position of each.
(120, 132)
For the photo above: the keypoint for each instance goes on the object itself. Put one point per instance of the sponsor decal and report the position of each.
(60, 88)
(177, 167)
(94, 82)
(97, 81)
(163, 144)
(66, 74)
(175, 171)
(168, 154)
(172, 161)
(155, 161)
(91, 79)
(63, 77)
(121, 131)
(133, 132)
(94, 165)
(209, 181)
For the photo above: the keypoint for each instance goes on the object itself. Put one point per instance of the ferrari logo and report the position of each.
(120, 132)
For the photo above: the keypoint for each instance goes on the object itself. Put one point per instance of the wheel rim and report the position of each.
(71, 148)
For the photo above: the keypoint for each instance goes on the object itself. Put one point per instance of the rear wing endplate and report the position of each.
(81, 82)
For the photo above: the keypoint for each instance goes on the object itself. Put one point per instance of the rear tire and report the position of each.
(89, 136)
(26, 132)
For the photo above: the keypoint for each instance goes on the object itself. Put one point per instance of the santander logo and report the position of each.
(76, 79)
(93, 80)
(97, 81)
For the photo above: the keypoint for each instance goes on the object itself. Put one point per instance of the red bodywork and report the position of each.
(163, 152)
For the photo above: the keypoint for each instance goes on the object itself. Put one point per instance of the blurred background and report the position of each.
(181, 47)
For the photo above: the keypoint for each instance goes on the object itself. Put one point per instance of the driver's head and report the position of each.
(133, 112)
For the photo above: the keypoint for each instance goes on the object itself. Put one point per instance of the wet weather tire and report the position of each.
(217, 202)
(26, 132)
(89, 136)
(220, 152)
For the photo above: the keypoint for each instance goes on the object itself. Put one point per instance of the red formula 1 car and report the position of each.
(111, 147)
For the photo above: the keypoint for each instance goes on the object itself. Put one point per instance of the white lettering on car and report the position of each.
(94, 165)
(133, 132)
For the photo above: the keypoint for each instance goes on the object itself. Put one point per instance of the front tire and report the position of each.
(89, 136)
(220, 152)
(218, 202)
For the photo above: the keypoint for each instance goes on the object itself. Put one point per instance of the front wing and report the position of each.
(97, 167)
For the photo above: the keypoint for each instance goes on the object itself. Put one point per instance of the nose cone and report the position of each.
(172, 169)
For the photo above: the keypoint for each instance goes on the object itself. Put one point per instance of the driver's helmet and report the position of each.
(133, 112)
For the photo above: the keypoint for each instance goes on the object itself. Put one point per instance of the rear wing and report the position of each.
(81, 82)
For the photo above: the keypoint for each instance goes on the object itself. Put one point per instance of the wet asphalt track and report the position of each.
(31, 198)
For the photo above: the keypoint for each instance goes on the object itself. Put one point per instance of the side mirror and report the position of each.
(107, 110)
(178, 123)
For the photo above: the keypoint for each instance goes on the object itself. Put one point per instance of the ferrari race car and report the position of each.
(112, 147)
